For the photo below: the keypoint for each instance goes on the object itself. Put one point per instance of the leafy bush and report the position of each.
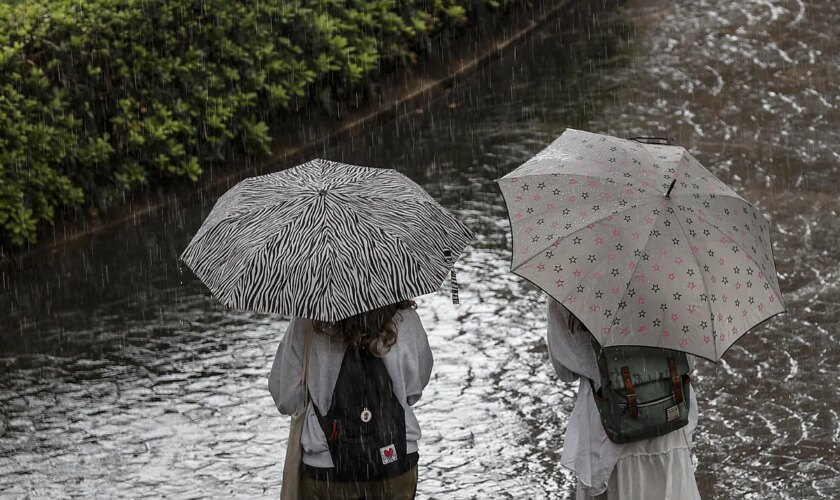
(102, 96)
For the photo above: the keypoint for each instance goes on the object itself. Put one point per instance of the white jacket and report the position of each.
(409, 363)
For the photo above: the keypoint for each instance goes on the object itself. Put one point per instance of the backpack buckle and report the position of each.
(676, 380)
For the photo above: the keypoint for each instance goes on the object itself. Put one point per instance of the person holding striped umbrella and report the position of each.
(342, 249)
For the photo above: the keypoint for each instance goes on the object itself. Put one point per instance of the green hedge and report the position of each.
(98, 97)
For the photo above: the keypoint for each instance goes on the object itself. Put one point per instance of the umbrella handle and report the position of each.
(453, 279)
(665, 141)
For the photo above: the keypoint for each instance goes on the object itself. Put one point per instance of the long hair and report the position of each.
(374, 330)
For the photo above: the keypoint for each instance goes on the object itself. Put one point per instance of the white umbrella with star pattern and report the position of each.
(642, 243)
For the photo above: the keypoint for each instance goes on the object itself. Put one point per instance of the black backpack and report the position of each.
(365, 425)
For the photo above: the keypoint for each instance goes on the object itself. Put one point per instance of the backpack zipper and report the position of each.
(648, 403)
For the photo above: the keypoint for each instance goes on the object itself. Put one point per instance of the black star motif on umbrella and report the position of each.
(675, 241)
(614, 272)
(677, 296)
(703, 297)
(558, 268)
(667, 222)
(656, 211)
(530, 210)
(689, 272)
(711, 253)
(636, 252)
(584, 195)
(595, 208)
(645, 256)
(599, 294)
(622, 305)
(685, 329)
(642, 314)
(566, 211)
(736, 270)
(655, 233)
(704, 325)
(663, 306)
(576, 240)
(541, 185)
(556, 192)
(608, 312)
(591, 258)
(568, 226)
(535, 239)
(749, 271)
(619, 247)
(627, 218)
(631, 292)
(572, 260)
(525, 187)
(580, 288)
(706, 232)
(655, 288)
(540, 222)
(549, 254)
(657, 322)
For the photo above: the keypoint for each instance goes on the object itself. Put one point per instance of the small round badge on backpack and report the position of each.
(366, 415)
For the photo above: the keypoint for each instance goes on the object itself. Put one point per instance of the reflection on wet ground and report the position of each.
(120, 376)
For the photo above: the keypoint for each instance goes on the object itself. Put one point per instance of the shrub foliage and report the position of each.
(102, 96)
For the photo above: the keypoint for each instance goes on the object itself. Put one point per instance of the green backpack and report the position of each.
(644, 391)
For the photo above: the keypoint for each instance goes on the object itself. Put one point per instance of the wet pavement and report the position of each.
(121, 377)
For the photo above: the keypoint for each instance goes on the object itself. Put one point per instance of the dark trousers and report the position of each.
(402, 487)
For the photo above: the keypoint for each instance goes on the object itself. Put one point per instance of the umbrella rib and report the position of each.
(705, 285)
(627, 286)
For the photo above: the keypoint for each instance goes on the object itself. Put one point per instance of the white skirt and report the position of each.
(639, 475)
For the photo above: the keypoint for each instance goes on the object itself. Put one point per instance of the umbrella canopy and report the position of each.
(642, 243)
(325, 241)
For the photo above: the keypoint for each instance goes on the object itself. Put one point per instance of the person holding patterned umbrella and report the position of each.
(342, 249)
(645, 256)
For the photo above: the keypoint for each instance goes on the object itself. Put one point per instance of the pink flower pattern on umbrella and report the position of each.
(592, 227)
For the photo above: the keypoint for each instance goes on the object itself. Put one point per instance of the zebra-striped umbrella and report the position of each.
(325, 241)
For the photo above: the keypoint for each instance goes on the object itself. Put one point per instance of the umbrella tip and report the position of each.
(668, 194)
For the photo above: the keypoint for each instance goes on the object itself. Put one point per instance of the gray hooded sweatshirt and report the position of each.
(409, 363)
